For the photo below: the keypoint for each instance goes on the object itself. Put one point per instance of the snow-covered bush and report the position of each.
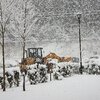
(1, 81)
(57, 76)
(1, 78)
(43, 74)
(33, 76)
(16, 78)
(92, 65)
(63, 69)
(92, 69)
(9, 78)
(74, 68)
(37, 75)
(12, 77)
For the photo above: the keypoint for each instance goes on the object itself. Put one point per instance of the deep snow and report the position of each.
(77, 87)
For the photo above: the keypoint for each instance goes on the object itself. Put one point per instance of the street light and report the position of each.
(79, 22)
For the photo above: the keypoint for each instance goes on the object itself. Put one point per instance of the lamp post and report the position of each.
(79, 22)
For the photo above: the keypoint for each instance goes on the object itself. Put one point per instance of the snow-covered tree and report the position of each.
(24, 21)
(5, 14)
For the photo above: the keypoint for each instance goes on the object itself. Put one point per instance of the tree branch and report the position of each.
(6, 22)
(10, 4)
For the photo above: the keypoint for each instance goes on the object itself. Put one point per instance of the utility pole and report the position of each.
(80, 50)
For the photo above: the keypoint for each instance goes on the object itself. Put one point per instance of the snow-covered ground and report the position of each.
(77, 87)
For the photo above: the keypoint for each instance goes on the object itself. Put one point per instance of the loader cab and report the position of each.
(36, 53)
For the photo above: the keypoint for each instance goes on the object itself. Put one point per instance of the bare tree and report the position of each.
(4, 21)
(24, 22)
